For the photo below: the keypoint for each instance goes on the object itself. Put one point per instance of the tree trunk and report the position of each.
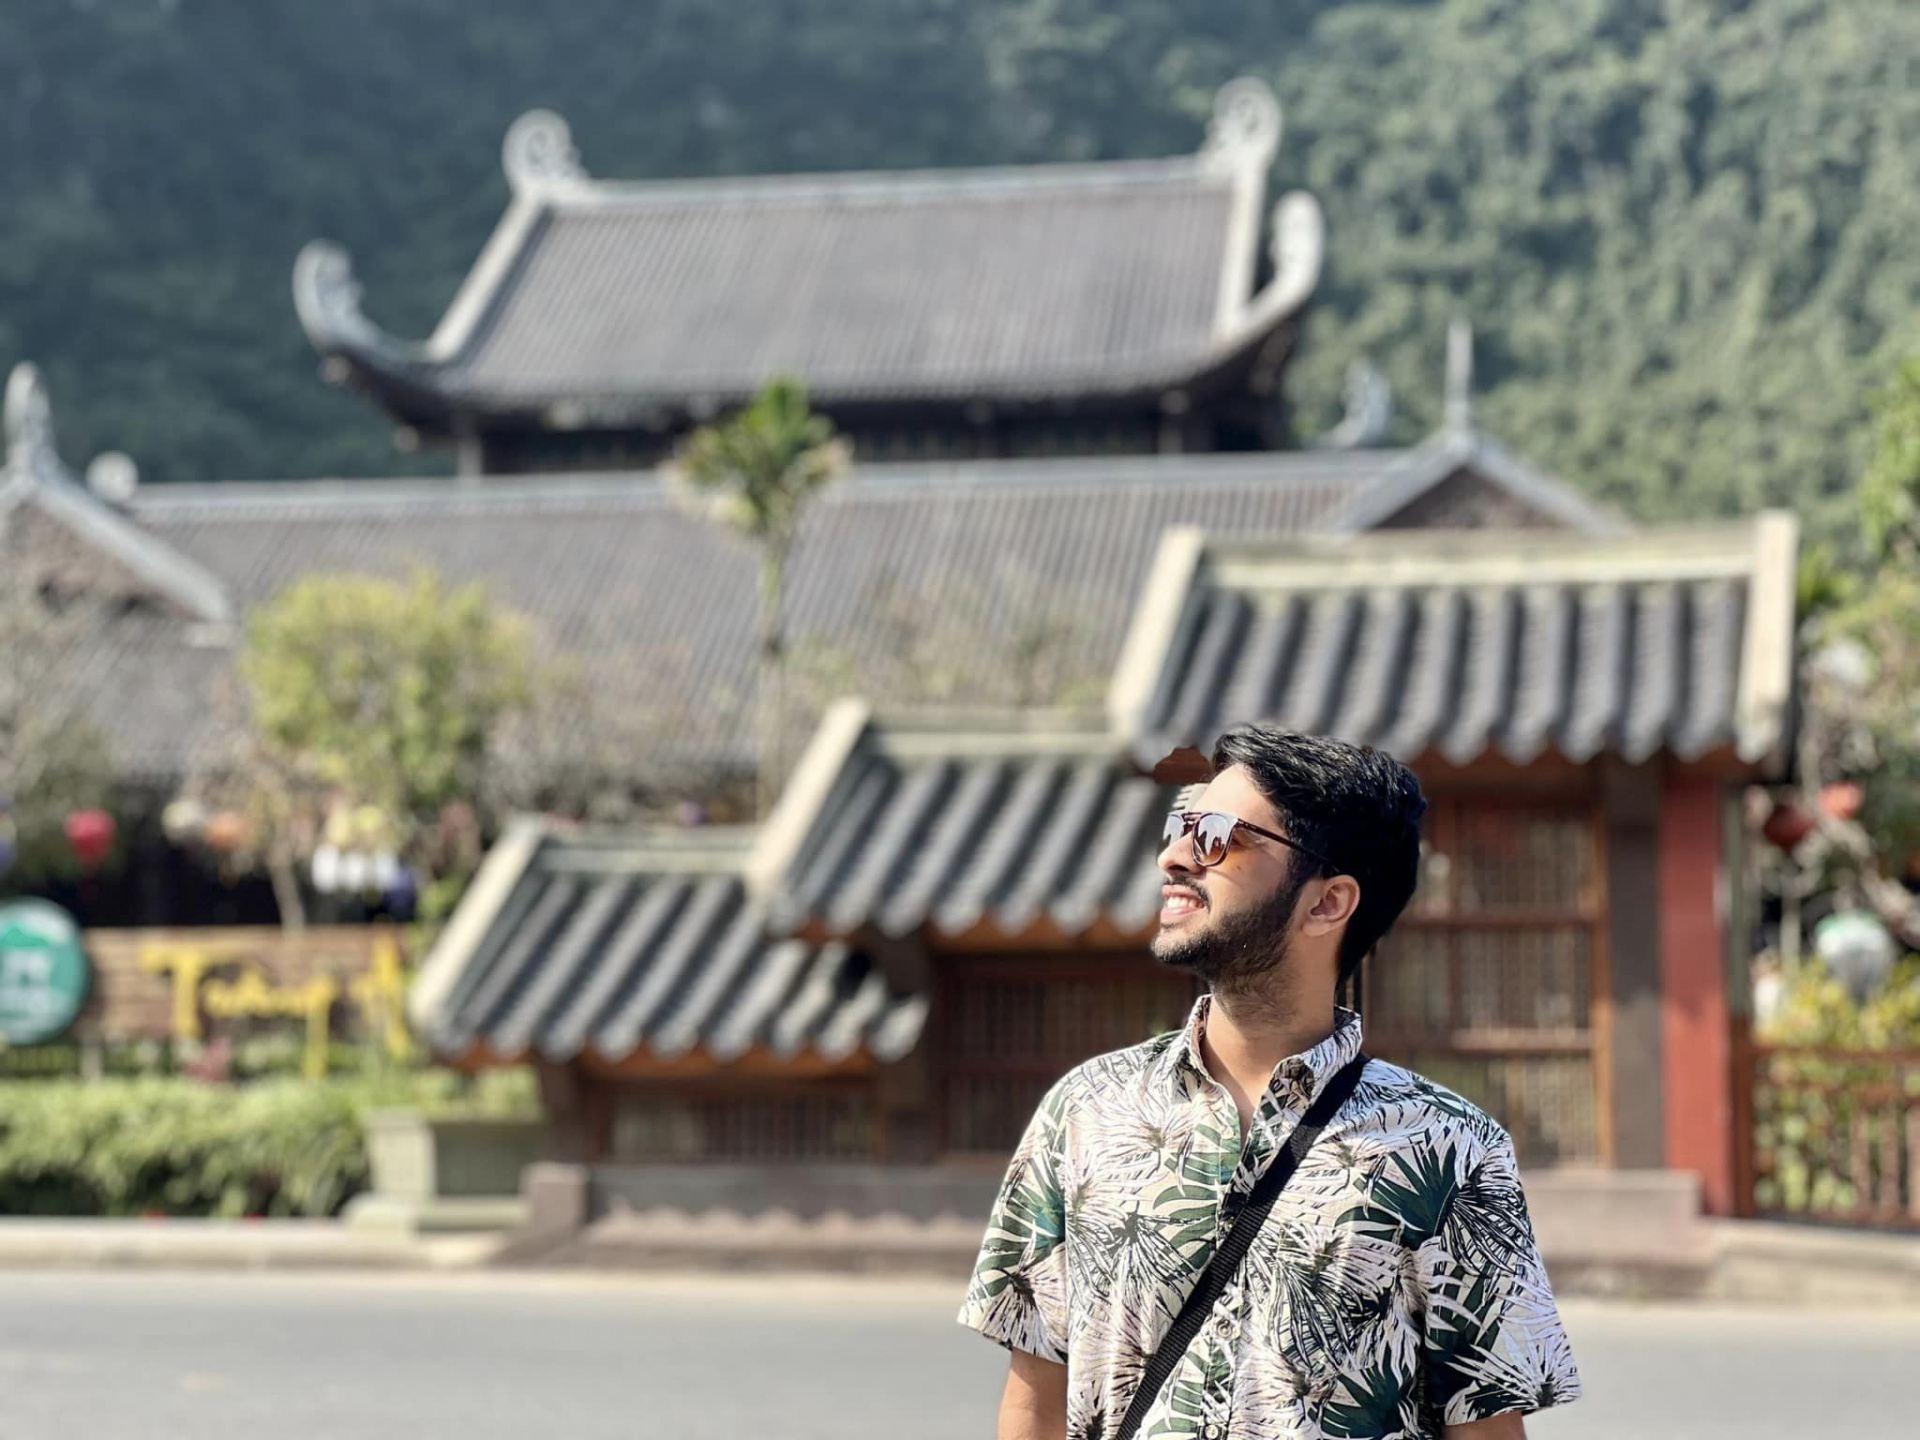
(773, 710)
(286, 889)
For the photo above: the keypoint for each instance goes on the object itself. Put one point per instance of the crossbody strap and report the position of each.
(1232, 1250)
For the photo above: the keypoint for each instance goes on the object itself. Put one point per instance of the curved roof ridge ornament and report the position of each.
(1298, 248)
(1369, 410)
(1245, 130)
(539, 154)
(1459, 411)
(28, 422)
(327, 297)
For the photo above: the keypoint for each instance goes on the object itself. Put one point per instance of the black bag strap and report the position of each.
(1232, 1250)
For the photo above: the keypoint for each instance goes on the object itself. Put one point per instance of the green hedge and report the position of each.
(173, 1146)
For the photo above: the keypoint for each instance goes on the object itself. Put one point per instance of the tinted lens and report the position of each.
(1210, 837)
(1175, 827)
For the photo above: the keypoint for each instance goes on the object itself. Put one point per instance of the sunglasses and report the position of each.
(1213, 836)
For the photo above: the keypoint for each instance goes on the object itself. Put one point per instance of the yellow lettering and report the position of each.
(382, 994)
(187, 965)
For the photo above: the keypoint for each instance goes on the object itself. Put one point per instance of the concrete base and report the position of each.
(373, 1213)
(1596, 1217)
(1786, 1264)
(1635, 1235)
(838, 1244)
(230, 1245)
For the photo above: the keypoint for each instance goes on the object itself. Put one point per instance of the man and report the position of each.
(1395, 1289)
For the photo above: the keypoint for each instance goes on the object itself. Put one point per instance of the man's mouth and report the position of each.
(1177, 902)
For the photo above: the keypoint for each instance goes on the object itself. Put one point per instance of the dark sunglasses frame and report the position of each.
(1183, 823)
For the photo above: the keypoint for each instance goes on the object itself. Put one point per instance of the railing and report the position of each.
(1830, 1134)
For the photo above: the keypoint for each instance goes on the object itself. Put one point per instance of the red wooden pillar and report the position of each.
(1696, 1034)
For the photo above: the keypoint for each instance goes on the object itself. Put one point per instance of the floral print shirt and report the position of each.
(1395, 1288)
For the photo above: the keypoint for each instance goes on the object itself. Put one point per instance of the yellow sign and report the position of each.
(381, 994)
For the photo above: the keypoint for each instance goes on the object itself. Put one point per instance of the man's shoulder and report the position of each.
(1408, 1100)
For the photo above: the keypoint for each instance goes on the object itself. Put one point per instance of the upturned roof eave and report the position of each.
(425, 386)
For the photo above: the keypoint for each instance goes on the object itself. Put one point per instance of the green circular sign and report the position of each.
(43, 971)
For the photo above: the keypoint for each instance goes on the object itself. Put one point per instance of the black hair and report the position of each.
(1352, 804)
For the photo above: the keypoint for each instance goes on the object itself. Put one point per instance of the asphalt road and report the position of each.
(153, 1357)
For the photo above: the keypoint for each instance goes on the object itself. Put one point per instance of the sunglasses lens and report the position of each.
(1210, 838)
(1175, 827)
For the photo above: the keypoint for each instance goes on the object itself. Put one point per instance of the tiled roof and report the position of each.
(660, 605)
(32, 476)
(1457, 644)
(595, 949)
(596, 302)
(948, 842)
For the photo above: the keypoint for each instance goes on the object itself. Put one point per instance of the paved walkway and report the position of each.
(492, 1356)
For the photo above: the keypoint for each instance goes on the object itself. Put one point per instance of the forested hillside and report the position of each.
(1684, 229)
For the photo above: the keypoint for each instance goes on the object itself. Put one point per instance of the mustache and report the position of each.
(1184, 883)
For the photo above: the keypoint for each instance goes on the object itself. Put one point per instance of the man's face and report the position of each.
(1234, 920)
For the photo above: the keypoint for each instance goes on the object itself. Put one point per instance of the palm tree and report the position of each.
(754, 473)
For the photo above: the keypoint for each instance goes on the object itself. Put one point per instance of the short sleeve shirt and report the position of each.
(1396, 1287)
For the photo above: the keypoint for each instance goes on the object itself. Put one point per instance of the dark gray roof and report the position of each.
(1456, 645)
(597, 950)
(33, 477)
(951, 842)
(662, 604)
(596, 301)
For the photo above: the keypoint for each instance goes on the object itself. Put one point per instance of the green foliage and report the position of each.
(1815, 1009)
(1890, 490)
(178, 1147)
(1681, 231)
(1812, 1112)
(391, 692)
(757, 469)
(383, 706)
(755, 473)
(1877, 723)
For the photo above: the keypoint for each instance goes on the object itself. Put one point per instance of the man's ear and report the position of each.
(1334, 905)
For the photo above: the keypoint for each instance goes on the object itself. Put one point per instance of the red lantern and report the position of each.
(90, 834)
(1787, 826)
(1842, 799)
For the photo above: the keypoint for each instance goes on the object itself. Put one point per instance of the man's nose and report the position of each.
(1176, 858)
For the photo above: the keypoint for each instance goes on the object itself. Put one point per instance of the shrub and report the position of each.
(173, 1146)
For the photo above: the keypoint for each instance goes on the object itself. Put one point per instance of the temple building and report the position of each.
(1122, 307)
(1080, 535)
(948, 909)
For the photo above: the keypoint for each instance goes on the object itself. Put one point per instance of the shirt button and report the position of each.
(1213, 1432)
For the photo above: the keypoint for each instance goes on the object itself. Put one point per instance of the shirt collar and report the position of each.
(1298, 1080)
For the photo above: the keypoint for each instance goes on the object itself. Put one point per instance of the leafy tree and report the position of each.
(755, 473)
(376, 698)
(1681, 231)
(1860, 694)
(1890, 489)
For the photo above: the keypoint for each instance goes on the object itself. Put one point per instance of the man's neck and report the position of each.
(1245, 1038)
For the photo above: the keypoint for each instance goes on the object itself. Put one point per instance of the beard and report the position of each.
(1232, 953)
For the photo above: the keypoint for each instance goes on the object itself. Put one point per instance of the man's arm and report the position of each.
(1500, 1427)
(1034, 1404)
